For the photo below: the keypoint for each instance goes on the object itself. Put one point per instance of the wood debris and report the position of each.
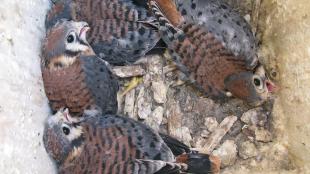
(217, 135)
(128, 71)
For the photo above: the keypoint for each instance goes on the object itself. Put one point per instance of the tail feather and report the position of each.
(168, 32)
(172, 36)
(199, 163)
(170, 11)
(196, 162)
(177, 147)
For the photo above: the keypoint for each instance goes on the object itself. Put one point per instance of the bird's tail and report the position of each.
(199, 163)
(196, 162)
(176, 146)
(169, 9)
(174, 37)
(169, 32)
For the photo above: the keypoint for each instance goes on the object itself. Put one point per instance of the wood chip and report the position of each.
(169, 68)
(129, 105)
(128, 71)
(217, 135)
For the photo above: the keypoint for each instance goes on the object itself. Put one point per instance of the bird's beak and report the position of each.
(82, 33)
(271, 86)
(67, 115)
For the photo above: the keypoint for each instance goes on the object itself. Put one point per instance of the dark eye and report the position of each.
(65, 130)
(70, 38)
(257, 82)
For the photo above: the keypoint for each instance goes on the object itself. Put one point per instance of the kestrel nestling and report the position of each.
(73, 76)
(122, 30)
(111, 144)
(214, 47)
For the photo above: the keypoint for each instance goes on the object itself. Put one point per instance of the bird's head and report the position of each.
(254, 88)
(63, 43)
(63, 136)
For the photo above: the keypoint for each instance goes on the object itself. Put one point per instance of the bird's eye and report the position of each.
(258, 82)
(70, 38)
(66, 129)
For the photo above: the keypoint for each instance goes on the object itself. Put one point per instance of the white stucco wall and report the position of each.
(23, 105)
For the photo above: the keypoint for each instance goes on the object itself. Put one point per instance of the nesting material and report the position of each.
(128, 71)
(218, 134)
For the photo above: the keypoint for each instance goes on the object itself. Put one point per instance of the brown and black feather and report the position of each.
(87, 83)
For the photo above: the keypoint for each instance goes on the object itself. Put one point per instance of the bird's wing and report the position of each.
(226, 24)
(123, 31)
(141, 166)
(101, 83)
(147, 141)
(120, 42)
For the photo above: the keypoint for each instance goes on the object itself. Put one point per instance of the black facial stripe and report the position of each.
(78, 141)
(82, 42)
(71, 53)
(76, 124)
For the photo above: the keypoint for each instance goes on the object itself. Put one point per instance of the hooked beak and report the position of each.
(67, 115)
(271, 86)
(82, 33)
(84, 30)
(62, 114)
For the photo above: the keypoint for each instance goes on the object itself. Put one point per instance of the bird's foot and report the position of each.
(134, 82)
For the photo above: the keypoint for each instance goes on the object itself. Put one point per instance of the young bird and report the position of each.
(110, 144)
(122, 30)
(214, 47)
(73, 76)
